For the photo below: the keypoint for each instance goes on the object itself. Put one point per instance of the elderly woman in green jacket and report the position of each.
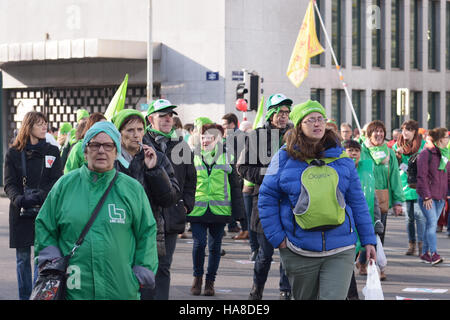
(388, 186)
(118, 255)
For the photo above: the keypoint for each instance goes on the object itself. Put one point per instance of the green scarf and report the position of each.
(444, 158)
(379, 153)
(170, 135)
(209, 156)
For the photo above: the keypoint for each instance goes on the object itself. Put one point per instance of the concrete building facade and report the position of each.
(60, 55)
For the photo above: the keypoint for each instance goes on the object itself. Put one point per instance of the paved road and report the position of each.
(235, 273)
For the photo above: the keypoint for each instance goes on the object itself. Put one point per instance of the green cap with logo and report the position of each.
(162, 106)
(302, 110)
(274, 102)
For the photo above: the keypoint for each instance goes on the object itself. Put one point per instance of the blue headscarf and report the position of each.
(108, 128)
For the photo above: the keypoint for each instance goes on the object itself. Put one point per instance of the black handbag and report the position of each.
(32, 212)
(51, 281)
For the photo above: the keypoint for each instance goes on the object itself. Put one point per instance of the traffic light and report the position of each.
(241, 90)
(255, 82)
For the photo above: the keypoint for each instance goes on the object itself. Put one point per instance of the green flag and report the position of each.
(118, 101)
(259, 119)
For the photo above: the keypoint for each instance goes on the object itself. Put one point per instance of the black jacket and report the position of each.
(43, 168)
(254, 161)
(182, 160)
(159, 184)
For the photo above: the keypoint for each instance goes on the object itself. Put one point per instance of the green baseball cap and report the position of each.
(302, 110)
(122, 115)
(162, 106)
(278, 99)
(81, 114)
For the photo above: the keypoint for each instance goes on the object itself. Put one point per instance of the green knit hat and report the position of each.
(201, 121)
(122, 115)
(81, 114)
(65, 128)
(302, 110)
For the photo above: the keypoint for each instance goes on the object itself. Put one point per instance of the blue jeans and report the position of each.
(414, 217)
(248, 204)
(24, 276)
(263, 262)
(431, 218)
(199, 233)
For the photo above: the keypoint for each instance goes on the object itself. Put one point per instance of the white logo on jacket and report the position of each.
(117, 215)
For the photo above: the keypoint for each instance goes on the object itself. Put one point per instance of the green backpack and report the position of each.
(321, 205)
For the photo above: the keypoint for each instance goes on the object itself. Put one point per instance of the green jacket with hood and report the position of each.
(119, 247)
(386, 175)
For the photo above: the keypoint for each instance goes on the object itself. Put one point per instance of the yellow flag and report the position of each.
(306, 47)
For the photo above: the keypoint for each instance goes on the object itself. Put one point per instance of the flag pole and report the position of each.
(338, 67)
(150, 54)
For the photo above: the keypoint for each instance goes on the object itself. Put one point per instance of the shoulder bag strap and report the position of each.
(94, 215)
(24, 168)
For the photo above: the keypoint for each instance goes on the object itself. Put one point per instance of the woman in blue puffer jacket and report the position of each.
(312, 217)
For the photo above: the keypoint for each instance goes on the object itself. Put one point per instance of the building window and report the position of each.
(433, 109)
(317, 59)
(338, 31)
(377, 105)
(415, 106)
(433, 35)
(318, 95)
(448, 38)
(337, 104)
(357, 100)
(377, 45)
(447, 103)
(357, 32)
(395, 119)
(415, 26)
(397, 37)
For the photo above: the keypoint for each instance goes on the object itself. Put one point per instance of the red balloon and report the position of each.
(241, 105)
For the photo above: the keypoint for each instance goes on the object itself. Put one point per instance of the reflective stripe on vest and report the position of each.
(213, 188)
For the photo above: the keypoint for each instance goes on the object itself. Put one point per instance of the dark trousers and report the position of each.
(248, 204)
(162, 277)
(214, 241)
(263, 262)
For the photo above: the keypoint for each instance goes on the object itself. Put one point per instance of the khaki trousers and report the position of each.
(319, 278)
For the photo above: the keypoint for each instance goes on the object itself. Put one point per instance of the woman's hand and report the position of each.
(428, 204)
(282, 245)
(150, 156)
(370, 252)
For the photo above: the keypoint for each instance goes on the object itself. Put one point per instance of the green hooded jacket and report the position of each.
(122, 236)
(386, 174)
(410, 194)
(76, 158)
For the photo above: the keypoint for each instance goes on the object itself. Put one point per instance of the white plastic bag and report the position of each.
(381, 257)
(373, 290)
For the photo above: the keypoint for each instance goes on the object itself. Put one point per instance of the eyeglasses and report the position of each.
(312, 121)
(95, 146)
(283, 113)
